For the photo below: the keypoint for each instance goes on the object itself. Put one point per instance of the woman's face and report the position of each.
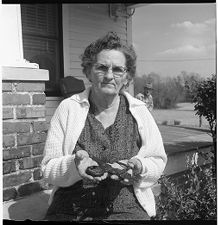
(108, 74)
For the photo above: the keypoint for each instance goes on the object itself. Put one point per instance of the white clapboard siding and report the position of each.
(83, 24)
(84, 35)
(87, 22)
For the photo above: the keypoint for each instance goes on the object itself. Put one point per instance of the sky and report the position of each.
(170, 38)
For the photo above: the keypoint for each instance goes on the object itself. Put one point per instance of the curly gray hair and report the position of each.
(109, 42)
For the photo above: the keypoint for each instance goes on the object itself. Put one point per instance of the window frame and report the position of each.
(60, 56)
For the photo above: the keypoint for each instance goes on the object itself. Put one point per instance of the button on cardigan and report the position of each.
(66, 125)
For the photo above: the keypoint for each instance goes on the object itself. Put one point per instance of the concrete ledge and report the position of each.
(177, 162)
(22, 73)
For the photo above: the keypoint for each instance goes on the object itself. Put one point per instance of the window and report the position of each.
(42, 41)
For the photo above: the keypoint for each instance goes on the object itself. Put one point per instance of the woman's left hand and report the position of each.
(136, 166)
(135, 169)
(132, 174)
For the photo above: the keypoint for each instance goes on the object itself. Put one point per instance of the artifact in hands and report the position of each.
(97, 171)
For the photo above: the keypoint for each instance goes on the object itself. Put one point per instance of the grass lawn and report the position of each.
(184, 113)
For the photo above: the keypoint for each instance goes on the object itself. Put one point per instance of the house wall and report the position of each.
(82, 24)
(26, 109)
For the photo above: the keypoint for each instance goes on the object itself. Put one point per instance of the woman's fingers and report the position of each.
(136, 166)
(81, 154)
(103, 177)
(87, 177)
(125, 181)
(83, 161)
(114, 177)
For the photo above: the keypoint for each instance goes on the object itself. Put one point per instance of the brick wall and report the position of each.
(24, 135)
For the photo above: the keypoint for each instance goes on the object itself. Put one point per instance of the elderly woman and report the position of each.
(104, 125)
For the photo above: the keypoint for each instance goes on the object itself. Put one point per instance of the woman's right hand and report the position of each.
(83, 161)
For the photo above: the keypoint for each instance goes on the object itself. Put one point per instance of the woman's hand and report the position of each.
(136, 166)
(132, 174)
(83, 161)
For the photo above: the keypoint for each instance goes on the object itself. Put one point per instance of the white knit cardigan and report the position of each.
(66, 125)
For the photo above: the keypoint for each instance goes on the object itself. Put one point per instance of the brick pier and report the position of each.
(24, 131)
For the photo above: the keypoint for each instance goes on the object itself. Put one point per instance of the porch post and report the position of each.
(11, 44)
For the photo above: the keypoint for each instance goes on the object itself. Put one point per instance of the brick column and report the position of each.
(24, 131)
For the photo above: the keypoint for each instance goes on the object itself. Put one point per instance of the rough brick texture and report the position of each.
(16, 127)
(40, 126)
(30, 86)
(8, 141)
(29, 163)
(7, 113)
(16, 153)
(30, 138)
(9, 167)
(15, 99)
(38, 99)
(24, 134)
(16, 179)
(10, 193)
(30, 112)
(7, 86)
(38, 149)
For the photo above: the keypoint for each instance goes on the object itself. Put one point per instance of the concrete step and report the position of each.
(32, 207)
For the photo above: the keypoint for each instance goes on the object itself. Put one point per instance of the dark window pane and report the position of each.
(41, 40)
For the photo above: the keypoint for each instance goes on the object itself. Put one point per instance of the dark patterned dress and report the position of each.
(110, 199)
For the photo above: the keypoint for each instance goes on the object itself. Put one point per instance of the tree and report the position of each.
(205, 104)
(139, 83)
(168, 91)
(190, 82)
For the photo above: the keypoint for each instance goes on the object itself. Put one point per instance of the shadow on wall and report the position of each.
(33, 207)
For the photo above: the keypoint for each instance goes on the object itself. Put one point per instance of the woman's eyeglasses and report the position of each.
(118, 71)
